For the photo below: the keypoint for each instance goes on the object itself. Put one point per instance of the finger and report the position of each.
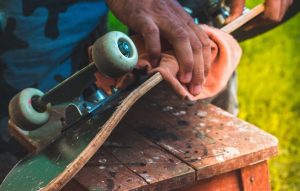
(272, 10)
(206, 46)
(150, 33)
(236, 9)
(178, 36)
(284, 7)
(184, 54)
(195, 86)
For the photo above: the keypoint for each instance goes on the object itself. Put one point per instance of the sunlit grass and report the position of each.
(269, 85)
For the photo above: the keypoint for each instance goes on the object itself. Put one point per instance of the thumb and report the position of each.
(236, 9)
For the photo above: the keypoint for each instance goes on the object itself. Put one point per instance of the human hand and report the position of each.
(166, 20)
(274, 9)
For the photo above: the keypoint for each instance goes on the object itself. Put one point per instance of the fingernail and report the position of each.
(197, 89)
(186, 77)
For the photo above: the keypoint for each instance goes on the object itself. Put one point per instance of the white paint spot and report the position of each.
(202, 113)
(230, 123)
(168, 108)
(202, 124)
(230, 152)
(179, 113)
(102, 161)
(225, 153)
(149, 160)
(222, 112)
(170, 148)
(147, 177)
(220, 158)
(252, 140)
(214, 120)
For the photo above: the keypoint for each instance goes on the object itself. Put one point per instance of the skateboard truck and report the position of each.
(114, 55)
(211, 12)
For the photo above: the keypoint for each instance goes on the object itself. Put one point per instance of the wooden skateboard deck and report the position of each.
(53, 166)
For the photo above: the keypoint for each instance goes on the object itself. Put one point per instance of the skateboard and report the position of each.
(64, 130)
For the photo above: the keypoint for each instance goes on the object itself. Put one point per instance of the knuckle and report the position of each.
(151, 30)
(188, 65)
(205, 41)
(206, 44)
(190, 21)
(197, 46)
(180, 33)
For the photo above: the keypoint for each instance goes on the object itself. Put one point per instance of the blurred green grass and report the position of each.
(269, 85)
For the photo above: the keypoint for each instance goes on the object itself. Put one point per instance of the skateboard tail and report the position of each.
(55, 165)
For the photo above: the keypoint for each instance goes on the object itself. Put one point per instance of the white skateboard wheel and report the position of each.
(23, 114)
(115, 54)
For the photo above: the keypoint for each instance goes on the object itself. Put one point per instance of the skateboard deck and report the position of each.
(66, 153)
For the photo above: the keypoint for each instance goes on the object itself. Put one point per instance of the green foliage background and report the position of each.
(269, 86)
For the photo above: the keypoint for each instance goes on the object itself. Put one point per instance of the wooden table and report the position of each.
(167, 144)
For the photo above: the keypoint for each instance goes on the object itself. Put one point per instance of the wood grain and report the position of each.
(230, 181)
(99, 138)
(160, 169)
(105, 172)
(256, 177)
(108, 127)
(205, 137)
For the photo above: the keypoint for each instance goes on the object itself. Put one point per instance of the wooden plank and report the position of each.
(73, 185)
(228, 181)
(72, 150)
(202, 135)
(256, 177)
(105, 172)
(160, 169)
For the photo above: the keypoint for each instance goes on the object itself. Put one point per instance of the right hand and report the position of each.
(166, 20)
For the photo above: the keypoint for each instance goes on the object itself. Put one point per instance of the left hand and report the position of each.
(274, 9)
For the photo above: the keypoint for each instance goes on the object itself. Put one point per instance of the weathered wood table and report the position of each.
(167, 144)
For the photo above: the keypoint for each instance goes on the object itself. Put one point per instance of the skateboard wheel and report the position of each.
(114, 54)
(23, 114)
